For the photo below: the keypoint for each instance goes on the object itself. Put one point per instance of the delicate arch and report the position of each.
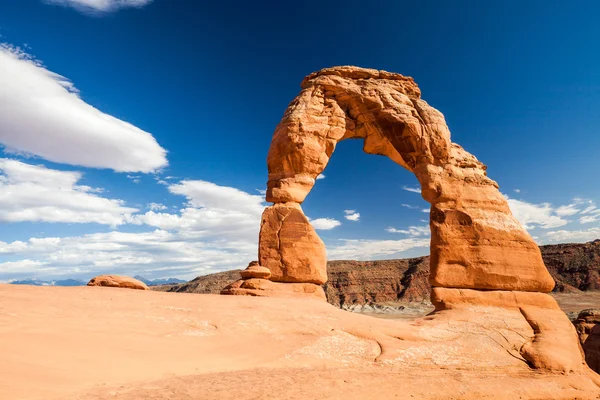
(475, 241)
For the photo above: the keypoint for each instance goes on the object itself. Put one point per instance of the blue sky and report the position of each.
(134, 133)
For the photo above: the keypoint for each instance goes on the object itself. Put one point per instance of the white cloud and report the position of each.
(372, 249)
(412, 189)
(320, 176)
(351, 215)
(535, 215)
(210, 195)
(517, 190)
(157, 206)
(42, 114)
(36, 193)
(153, 254)
(568, 210)
(134, 178)
(414, 231)
(324, 224)
(100, 5)
(425, 210)
(564, 236)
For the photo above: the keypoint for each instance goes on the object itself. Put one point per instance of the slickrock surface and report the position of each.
(125, 282)
(90, 343)
(475, 240)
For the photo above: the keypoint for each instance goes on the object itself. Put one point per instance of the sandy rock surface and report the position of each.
(105, 343)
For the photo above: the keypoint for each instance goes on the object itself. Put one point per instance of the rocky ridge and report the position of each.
(352, 284)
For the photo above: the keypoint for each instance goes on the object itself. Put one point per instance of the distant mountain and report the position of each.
(164, 281)
(36, 282)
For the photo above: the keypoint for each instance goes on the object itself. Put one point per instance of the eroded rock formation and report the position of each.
(476, 242)
(118, 281)
(255, 282)
(481, 256)
(588, 329)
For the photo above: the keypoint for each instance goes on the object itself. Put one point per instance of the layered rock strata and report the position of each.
(255, 282)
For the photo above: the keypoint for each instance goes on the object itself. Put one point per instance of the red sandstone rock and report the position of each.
(554, 345)
(118, 281)
(266, 288)
(476, 242)
(254, 270)
(591, 347)
(289, 246)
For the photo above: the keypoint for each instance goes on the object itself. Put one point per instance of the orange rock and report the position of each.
(585, 322)
(289, 246)
(118, 281)
(554, 345)
(254, 270)
(476, 242)
(587, 325)
(266, 288)
(591, 347)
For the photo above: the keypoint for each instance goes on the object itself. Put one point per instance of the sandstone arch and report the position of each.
(476, 243)
(484, 265)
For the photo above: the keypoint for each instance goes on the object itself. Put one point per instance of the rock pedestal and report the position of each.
(255, 282)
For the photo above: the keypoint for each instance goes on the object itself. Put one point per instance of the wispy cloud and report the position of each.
(371, 249)
(412, 189)
(42, 114)
(100, 6)
(413, 231)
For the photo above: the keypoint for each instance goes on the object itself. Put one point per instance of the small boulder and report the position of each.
(118, 281)
(585, 322)
(254, 270)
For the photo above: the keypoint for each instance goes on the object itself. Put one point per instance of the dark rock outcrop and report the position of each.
(574, 267)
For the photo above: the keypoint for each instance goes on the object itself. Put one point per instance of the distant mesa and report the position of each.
(161, 281)
(36, 282)
(125, 282)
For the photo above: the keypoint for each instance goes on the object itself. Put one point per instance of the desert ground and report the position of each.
(107, 343)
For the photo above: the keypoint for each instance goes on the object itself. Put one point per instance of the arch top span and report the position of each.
(475, 241)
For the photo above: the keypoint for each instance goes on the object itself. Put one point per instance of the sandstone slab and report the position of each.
(118, 281)
(265, 288)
